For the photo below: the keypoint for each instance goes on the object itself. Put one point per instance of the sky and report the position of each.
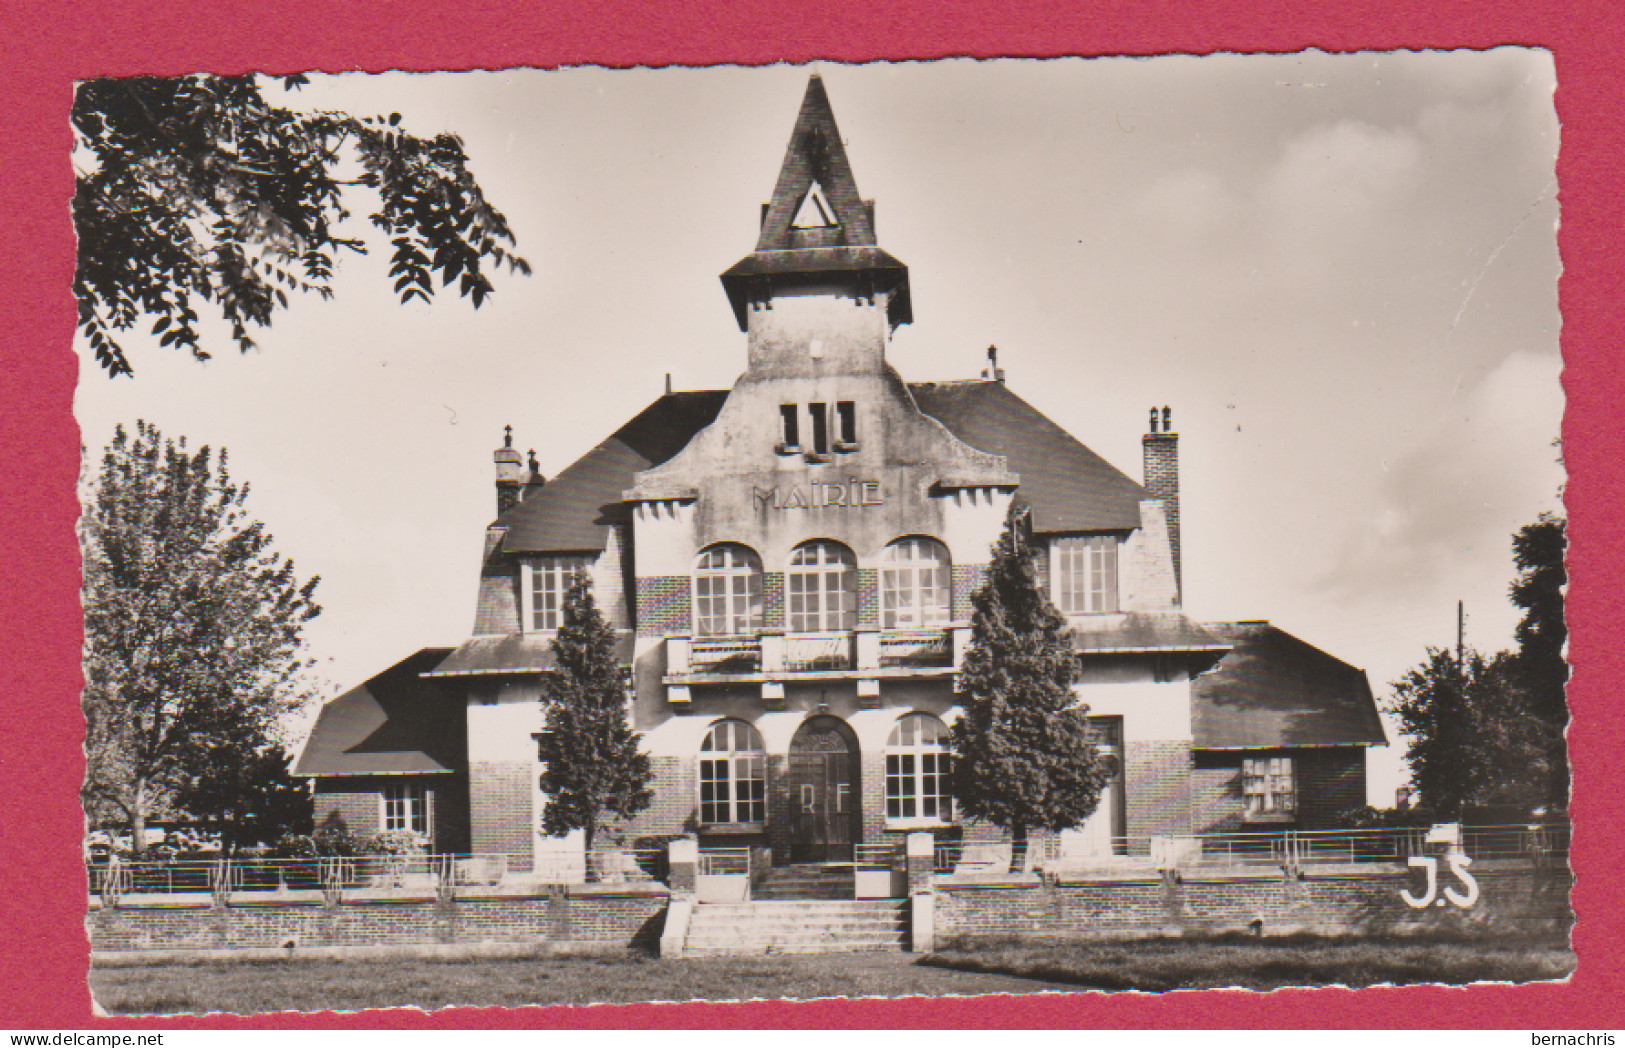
(1339, 271)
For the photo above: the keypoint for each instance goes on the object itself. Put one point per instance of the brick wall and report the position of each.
(663, 605)
(350, 803)
(968, 578)
(1330, 781)
(1157, 787)
(674, 809)
(1216, 804)
(496, 610)
(1335, 899)
(1162, 483)
(773, 610)
(868, 598)
(577, 914)
(500, 809)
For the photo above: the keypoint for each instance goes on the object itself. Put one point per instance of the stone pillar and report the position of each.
(683, 855)
(920, 854)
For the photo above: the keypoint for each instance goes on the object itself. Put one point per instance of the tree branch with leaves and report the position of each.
(201, 193)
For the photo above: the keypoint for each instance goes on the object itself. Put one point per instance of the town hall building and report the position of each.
(788, 566)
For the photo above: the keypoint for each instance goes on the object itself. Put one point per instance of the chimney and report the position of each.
(510, 472)
(1162, 479)
(993, 373)
(535, 480)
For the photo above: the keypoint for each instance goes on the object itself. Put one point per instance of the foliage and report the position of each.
(1023, 758)
(203, 192)
(1487, 730)
(593, 762)
(192, 624)
(244, 790)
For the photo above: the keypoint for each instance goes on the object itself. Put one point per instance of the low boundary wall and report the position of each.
(1361, 898)
(557, 917)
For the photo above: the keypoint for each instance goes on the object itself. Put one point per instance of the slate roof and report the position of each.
(395, 723)
(512, 653)
(1069, 487)
(574, 510)
(1274, 690)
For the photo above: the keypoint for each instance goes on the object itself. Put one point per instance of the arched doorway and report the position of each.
(824, 796)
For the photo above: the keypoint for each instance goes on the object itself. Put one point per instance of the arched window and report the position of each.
(917, 769)
(728, 591)
(915, 584)
(733, 779)
(821, 587)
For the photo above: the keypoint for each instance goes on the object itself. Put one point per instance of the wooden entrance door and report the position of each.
(823, 792)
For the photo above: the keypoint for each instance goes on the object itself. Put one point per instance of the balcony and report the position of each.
(772, 657)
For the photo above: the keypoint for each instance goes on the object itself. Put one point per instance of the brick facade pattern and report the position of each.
(673, 811)
(773, 609)
(558, 915)
(663, 605)
(868, 598)
(1330, 782)
(968, 578)
(1157, 788)
(1162, 483)
(1348, 898)
(502, 810)
(497, 608)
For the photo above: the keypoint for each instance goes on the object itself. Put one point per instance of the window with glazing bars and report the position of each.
(733, 780)
(549, 579)
(917, 769)
(915, 584)
(728, 591)
(405, 807)
(1267, 785)
(1083, 571)
(821, 587)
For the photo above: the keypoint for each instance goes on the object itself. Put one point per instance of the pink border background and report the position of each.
(50, 44)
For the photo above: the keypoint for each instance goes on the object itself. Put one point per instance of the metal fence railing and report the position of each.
(715, 862)
(436, 872)
(883, 856)
(1277, 848)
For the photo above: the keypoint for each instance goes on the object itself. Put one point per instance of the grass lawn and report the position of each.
(316, 985)
(1263, 964)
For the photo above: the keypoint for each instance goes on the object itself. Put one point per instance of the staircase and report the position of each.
(805, 881)
(797, 926)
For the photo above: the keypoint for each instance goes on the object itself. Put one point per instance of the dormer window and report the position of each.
(549, 579)
(1083, 574)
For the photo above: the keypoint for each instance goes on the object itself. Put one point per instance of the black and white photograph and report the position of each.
(957, 527)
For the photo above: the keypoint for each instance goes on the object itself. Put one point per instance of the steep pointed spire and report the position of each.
(817, 226)
(815, 163)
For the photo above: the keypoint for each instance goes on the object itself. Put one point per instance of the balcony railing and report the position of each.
(847, 651)
(916, 647)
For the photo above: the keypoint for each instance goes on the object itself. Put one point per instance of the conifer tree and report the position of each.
(594, 766)
(1023, 759)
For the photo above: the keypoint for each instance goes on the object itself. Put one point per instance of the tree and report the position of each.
(1488, 729)
(594, 766)
(202, 191)
(244, 791)
(192, 624)
(1023, 759)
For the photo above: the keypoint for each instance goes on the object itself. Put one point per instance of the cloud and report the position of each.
(1332, 177)
(1448, 506)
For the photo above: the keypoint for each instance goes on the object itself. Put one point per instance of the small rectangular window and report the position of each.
(1267, 786)
(1083, 574)
(405, 807)
(792, 434)
(846, 412)
(820, 428)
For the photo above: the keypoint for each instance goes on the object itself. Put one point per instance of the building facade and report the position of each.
(788, 566)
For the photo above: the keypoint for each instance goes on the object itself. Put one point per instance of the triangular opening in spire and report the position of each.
(816, 212)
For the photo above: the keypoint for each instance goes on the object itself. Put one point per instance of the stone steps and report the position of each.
(806, 881)
(796, 926)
